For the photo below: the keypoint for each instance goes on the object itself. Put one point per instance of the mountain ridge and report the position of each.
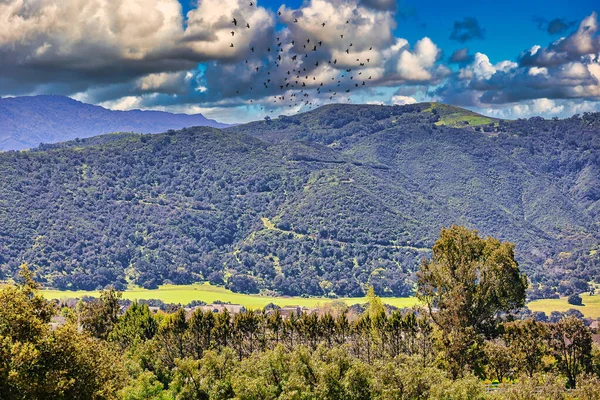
(320, 203)
(27, 121)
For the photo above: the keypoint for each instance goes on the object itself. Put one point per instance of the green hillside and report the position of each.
(320, 203)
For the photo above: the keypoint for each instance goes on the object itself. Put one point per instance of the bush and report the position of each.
(575, 300)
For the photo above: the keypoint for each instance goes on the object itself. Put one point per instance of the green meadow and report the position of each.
(183, 294)
(590, 308)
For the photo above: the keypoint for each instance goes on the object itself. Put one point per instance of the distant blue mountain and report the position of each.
(25, 122)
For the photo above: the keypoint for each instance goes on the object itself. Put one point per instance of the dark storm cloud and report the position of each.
(461, 56)
(557, 26)
(467, 29)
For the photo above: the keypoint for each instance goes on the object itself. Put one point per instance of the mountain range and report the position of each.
(25, 122)
(320, 203)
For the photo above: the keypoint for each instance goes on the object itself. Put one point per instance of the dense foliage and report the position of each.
(333, 354)
(322, 203)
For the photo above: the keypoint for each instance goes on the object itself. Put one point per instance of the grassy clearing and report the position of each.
(184, 294)
(591, 307)
(458, 117)
(461, 120)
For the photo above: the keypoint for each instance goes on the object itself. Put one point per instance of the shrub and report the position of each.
(575, 300)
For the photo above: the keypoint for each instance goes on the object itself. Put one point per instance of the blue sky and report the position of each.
(510, 24)
(179, 55)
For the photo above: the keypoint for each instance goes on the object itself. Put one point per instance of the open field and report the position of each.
(591, 307)
(183, 294)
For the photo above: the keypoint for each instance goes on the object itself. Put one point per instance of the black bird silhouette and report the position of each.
(294, 57)
(342, 36)
(293, 42)
(314, 48)
(269, 49)
(350, 44)
(348, 51)
(323, 24)
(307, 40)
(317, 64)
(279, 13)
(295, 20)
(248, 25)
(256, 68)
(232, 33)
(347, 22)
(252, 48)
(251, 4)
(231, 45)
(370, 48)
(234, 22)
(320, 43)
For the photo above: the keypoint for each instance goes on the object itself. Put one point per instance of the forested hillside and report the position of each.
(320, 203)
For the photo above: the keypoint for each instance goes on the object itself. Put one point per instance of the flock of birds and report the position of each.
(296, 79)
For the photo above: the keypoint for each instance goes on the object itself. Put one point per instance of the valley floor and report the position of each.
(184, 294)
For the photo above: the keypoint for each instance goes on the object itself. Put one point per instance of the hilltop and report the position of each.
(25, 122)
(319, 203)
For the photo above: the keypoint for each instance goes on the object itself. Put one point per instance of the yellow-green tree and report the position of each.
(469, 282)
(37, 362)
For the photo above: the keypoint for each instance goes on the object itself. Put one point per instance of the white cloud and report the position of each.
(569, 68)
(402, 100)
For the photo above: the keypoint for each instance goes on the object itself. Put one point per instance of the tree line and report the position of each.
(464, 338)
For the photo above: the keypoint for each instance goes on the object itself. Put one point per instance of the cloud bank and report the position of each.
(567, 70)
(233, 53)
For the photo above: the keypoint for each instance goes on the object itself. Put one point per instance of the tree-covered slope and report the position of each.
(319, 203)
